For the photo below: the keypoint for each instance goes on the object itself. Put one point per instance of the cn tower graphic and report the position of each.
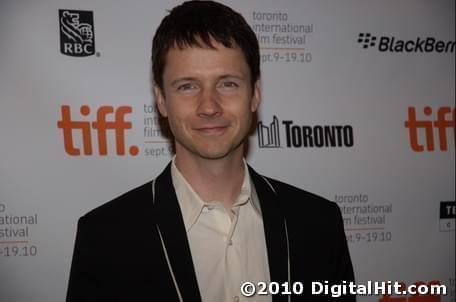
(269, 136)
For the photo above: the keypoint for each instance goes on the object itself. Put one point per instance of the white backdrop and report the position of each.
(316, 75)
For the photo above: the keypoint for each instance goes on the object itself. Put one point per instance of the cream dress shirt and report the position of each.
(225, 252)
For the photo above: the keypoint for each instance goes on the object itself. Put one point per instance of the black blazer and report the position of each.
(119, 253)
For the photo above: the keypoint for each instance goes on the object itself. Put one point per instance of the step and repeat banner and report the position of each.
(358, 105)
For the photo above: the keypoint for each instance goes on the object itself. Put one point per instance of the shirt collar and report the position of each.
(191, 204)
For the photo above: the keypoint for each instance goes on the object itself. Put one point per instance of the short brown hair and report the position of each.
(195, 22)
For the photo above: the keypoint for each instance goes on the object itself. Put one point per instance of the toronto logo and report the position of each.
(269, 136)
(303, 136)
(77, 36)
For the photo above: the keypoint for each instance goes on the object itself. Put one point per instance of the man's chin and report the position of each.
(216, 152)
(213, 155)
(211, 151)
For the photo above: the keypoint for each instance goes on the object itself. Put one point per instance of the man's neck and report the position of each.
(213, 180)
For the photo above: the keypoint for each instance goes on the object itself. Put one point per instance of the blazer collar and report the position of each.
(274, 230)
(171, 224)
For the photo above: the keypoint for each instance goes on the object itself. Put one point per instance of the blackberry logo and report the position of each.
(367, 40)
(303, 136)
(417, 45)
(77, 36)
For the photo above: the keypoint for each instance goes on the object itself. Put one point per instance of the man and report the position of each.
(209, 222)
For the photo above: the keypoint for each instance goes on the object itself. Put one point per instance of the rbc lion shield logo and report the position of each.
(77, 35)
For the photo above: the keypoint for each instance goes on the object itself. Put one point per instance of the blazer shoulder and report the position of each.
(132, 202)
(297, 197)
(284, 188)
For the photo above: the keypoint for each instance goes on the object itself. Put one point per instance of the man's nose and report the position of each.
(209, 104)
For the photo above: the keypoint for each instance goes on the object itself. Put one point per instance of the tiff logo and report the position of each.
(366, 39)
(269, 136)
(101, 126)
(77, 36)
(445, 120)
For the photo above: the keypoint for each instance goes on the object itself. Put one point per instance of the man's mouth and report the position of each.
(211, 130)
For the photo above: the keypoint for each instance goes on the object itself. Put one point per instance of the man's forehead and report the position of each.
(197, 41)
(194, 58)
(202, 49)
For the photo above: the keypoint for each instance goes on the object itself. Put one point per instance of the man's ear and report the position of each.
(160, 100)
(256, 96)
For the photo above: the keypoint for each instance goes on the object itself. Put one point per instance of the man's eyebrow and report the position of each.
(229, 75)
(176, 81)
(221, 77)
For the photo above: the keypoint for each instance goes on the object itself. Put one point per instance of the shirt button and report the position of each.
(236, 299)
(230, 242)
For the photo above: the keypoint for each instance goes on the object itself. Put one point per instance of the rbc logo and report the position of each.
(101, 126)
(77, 36)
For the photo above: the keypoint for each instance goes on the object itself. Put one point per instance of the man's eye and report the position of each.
(186, 87)
(230, 84)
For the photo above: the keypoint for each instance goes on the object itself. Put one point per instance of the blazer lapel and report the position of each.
(171, 225)
(274, 230)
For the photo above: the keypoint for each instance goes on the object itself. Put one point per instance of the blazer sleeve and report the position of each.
(342, 261)
(82, 282)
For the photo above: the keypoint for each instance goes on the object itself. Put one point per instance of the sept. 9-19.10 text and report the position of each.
(369, 237)
(18, 251)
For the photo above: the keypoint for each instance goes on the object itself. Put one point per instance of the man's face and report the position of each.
(208, 99)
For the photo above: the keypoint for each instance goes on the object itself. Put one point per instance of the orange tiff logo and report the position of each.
(413, 298)
(101, 126)
(445, 120)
